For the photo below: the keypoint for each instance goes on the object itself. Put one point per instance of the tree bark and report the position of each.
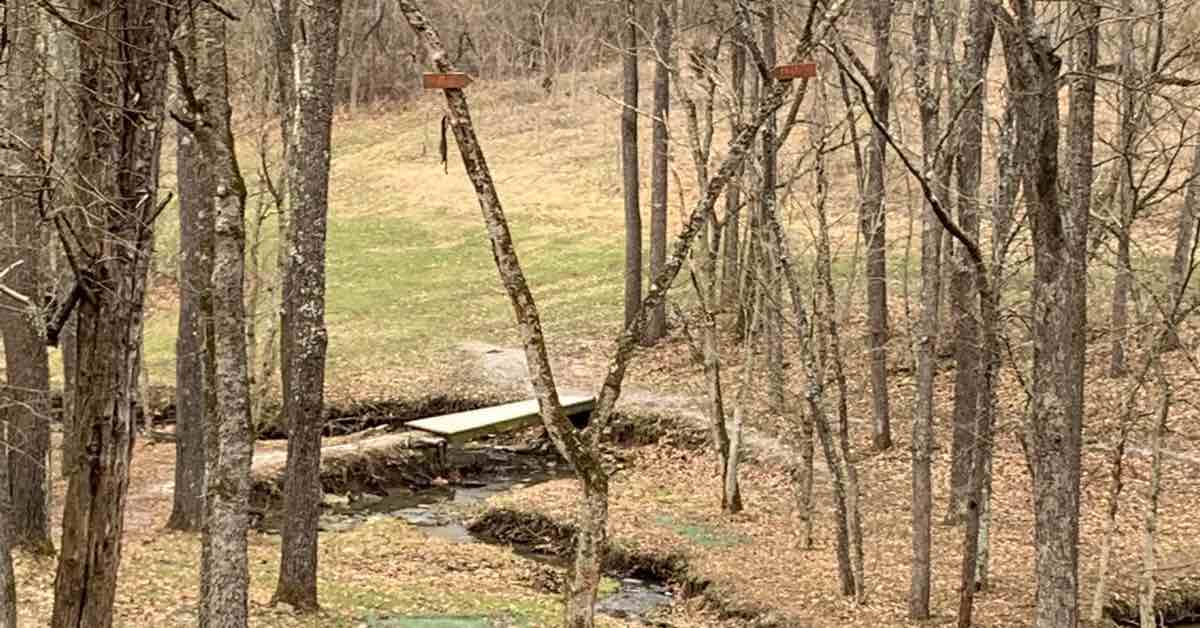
(225, 573)
(193, 361)
(770, 293)
(1181, 261)
(1146, 580)
(963, 285)
(27, 393)
(8, 580)
(120, 97)
(931, 238)
(629, 166)
(1127, 194)
(731, 279)
(874, 228)
(660, 156)
(1059, 302)
(304, 339)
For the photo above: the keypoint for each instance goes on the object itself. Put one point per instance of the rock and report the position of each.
(333, 499)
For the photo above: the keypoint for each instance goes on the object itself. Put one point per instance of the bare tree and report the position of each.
(660, 157)
(1059, 297)
(965, 293)
(928, 103)
(874, 226)
(313, 34)
(225, 573)
(194, 366)
(26, 396)
(121, 90)
(581, 449)
(629, 165)
(8, 580)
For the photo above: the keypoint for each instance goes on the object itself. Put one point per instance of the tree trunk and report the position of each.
(770, 293)
(304, 338)
(1181, 261)
(629, 167)
(193, 362)
(874, 228)
(657, 326)
(8, 580)
(1127, 193)
(731, 279)
(1146, 583)
(963, 285)
(121, 93)
(27, 394)
(1059, 302)
(931, 238)
(225, 573)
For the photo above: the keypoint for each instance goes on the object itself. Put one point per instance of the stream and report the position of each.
(438, 512)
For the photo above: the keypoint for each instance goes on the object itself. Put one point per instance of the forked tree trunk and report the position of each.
(580, 449)
(26, 397)
(629, 166)
(313, 58)
(121, 93)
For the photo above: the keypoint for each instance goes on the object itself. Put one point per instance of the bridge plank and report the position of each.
(461, 427)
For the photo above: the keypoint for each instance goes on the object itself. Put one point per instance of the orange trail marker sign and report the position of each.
(445, 80)
(794, 71)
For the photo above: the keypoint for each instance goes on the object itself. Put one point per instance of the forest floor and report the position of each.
(415, 309)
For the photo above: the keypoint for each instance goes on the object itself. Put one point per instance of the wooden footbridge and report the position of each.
(461, 427)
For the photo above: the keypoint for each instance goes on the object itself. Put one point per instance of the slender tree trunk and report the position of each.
(931, 238)
(963, 286)
(1181, 261)
(657, 327)
(121, 93)
(27, 394)
(731, 278)
(193, 362)
(874, 228)
(771, 293)
(1126, 193)
(225, 574)
(629, 166)
(1146, 583)
(8, 579)
(304, 338)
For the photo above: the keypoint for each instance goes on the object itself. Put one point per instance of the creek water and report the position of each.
(438, 512)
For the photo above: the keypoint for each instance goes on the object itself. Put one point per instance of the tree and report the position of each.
(312, 34)
(8, 580)
(581, 449)
(770, 292)
(964, 288)
(874, 227)
(225, 573)
(660, 156)
(120, 96)
(928, 103)
(1059, 298)
(629, 165)
(195, 376)
(26, 397)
